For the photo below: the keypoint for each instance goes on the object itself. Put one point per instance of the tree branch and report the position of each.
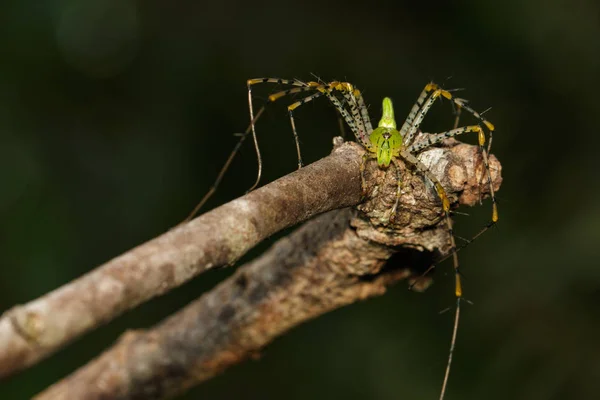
(31, 332)
(334, 260)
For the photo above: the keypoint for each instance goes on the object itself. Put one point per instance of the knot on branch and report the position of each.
(419, 219)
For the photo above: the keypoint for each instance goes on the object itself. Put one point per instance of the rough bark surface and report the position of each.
(331, 261)
(30, 332)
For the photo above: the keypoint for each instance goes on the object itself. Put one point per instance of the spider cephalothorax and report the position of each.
(386, 141)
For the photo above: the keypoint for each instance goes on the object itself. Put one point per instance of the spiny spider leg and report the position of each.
(354, 100)
(321, 89)
(435, 138)
(327, 90)
(299, 86)
(224, 169)
(359, 114)
(436, 93)
(413, 114)
(250, 129)
(461, 103)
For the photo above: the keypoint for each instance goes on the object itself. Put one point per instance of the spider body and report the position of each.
(385, 141)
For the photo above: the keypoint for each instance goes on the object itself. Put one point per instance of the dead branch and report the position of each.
(30, 332)
(334, 260)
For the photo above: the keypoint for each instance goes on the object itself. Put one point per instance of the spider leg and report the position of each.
(462, 104)
(417, 115)
(291, 109)
(224, 169)
(457, 279)
(399, 187)
(457, 112)
(365, 114)
(360, 115)
(350, 121)
(422, 106)
(415, 119)
(350, 94)
(299, 86)
(485, 154)
(359, 124)
(413, 114)
(436, 138)
(419, 166)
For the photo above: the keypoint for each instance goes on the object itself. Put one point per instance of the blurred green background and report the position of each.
(115, 117)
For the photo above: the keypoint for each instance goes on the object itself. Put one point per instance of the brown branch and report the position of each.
(334, 260)
(30, 332)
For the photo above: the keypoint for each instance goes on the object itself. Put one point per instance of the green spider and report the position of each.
(385, 143)
(388, 145)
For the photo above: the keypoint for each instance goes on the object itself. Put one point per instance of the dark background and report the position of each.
(116, 116)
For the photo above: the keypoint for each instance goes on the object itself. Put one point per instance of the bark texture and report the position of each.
(31, 332)
(331, 261)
